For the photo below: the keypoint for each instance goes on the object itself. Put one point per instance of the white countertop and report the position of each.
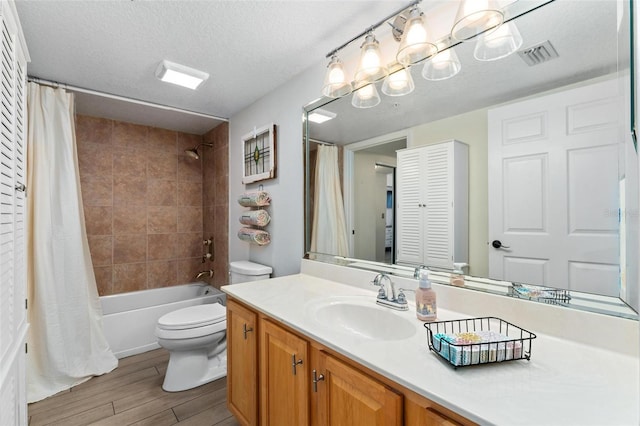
(564, 383)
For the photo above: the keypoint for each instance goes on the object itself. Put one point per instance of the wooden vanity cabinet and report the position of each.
(284, 376)
(279, 377)
(242, 363)
(347, 396)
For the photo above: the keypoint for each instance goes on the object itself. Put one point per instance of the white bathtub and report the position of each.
(129, 319)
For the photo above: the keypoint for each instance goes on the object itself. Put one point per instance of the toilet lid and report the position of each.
(192, 317)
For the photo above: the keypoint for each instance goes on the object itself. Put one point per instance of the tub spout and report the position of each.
(205, 273)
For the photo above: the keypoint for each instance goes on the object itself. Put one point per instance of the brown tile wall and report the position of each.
(144, 206)
(216, 199)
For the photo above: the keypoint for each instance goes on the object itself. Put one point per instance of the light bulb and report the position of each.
(416, 33)
(336, 75)
(370, 59)
(440, 60)
(366, 92)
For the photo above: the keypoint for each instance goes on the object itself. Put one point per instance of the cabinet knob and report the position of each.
(246, 330)
(316, 379)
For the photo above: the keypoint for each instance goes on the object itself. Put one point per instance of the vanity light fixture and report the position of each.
(366, 96)
(335, 79)
(475, 17)
(442, 66)
(370, 68)
(320, 116)
(399, 81)
(498, 44)
(415, 45)
(170, 72)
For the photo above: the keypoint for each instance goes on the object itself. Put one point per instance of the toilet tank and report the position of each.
(243, 271)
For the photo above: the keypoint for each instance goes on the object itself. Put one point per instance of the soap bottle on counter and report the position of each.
(425, 298)
(457, 275)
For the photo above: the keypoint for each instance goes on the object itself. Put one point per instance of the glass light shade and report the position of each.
(499, 44)
(366, 97)
(475, 17)
(415, 45)
(335, 80)
(442, 66)
(399, 82)
(370, 68)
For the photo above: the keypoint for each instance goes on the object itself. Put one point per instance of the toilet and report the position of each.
(196, 336)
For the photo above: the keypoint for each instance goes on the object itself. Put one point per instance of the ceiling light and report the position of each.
(475, 17)
(320, 116)
(498, 44)
(366, 97)
(399, 81)
(181, 75)
(415, 45)
(335, 80)
(442, 66)
(370, 69)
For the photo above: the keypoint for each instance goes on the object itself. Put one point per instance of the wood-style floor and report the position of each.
(132, 395)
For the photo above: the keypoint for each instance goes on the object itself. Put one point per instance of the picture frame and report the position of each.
(259, 154)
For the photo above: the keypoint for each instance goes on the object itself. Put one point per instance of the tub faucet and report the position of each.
(203, 273)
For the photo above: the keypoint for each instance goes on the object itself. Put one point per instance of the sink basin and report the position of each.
(362, 317)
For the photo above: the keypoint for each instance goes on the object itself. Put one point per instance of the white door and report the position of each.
(557, 234)
(409, 207)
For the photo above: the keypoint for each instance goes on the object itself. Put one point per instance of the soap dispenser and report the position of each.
(457, 275)
(425, 298)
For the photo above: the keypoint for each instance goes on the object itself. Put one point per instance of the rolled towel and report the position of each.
(255, 236)
(255, 218)
(254, 199)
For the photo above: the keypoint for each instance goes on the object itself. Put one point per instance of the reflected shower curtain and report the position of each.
(66, 341)
(329, 230)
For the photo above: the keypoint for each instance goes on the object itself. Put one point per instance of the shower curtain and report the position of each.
(66, 342)
(329, 230)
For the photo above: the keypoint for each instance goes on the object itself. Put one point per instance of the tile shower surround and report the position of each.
(146, 206)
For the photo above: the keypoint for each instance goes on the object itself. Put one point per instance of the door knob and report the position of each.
(498, 244)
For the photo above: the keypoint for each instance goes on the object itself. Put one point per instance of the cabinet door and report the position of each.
(242, 363)
(348, 397)
(284, 377)
(409, 208)
(421, 411)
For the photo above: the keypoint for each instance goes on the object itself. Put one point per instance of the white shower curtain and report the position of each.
(66, 341)
(329, 231)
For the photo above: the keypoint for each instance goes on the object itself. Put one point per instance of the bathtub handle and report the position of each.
(246, 330)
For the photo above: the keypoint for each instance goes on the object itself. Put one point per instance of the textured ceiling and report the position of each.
(249, 48)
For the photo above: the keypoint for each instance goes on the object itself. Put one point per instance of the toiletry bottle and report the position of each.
(425, 298)
(457, 276)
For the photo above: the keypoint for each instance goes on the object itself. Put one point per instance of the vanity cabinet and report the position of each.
(242, 363)
(298, 381)
(348, 396)
(433, 205)
(284, 376)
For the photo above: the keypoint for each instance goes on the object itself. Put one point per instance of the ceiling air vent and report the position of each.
(538, 54)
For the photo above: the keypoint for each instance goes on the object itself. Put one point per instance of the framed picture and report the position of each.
(259, 148)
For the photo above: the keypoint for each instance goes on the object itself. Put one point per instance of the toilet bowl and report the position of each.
(196, 336)
(196, 340)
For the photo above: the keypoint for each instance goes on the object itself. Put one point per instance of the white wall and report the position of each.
(282, 107)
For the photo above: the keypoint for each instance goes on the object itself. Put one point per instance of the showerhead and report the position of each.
(193, 152)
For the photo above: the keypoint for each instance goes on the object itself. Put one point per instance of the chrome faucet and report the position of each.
(416, 272)
(204, 273)
(389, 300)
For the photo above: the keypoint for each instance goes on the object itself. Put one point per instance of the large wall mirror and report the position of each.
(548, 205)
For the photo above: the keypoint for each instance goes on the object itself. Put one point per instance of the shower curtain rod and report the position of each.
(65, 86)
(321, 142)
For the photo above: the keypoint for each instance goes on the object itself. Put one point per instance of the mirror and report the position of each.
(593, 55)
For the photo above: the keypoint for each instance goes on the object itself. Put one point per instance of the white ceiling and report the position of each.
(249, 48)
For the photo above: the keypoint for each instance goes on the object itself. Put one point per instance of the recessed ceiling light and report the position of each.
(320, 116)
(181, 75)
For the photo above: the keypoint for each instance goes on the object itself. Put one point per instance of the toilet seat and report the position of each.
(192, 322)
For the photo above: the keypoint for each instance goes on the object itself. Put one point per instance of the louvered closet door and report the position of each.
(13, 325)
(438, 216)
(410, 207)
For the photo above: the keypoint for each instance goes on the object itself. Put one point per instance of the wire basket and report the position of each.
(477, 341)
(548, 295)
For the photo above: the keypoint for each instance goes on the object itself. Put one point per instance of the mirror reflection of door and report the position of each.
(373, 235)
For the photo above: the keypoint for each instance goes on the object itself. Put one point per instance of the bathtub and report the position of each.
(129, 319)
